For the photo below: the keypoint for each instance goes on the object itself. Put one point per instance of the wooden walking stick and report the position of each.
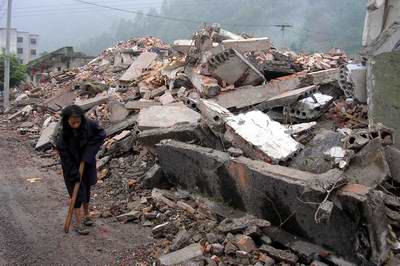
(73, 199)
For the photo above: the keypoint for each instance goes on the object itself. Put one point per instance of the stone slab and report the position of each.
(118, 127)
(166, 116)
(118, 112)
(184, 133)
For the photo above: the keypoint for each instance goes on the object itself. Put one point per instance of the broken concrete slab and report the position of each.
(235, 69)
(46, 137)
(324, 77)
(369, 166)
(166, 116)
(248, 45)
(92, 102)
(135, 70)
(138, 105)
(181, 256)
(58, 102)
(257, 188)
(388, 41)
(167, 98)
(287, 98)
(184, 133)
(118, 112)
(248, 96)
(260, 137)
(118, 127)
(383, 93)
(358, 78)
(208, 87)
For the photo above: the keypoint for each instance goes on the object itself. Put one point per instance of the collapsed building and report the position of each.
(287, 138)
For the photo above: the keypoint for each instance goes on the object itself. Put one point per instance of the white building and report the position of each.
(23, 44)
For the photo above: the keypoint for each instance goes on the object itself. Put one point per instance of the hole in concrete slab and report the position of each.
(298, 112)
(216, 118)
(77, 87)
(374, 135)
(193, 106)
(352, 140)
(318, 109)
(303, 114)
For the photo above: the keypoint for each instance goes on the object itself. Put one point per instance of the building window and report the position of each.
(20, 51)
(33, 41)
(33, 52)
(21, 61)
(20, 39)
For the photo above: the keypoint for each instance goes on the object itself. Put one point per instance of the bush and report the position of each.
(17, 71)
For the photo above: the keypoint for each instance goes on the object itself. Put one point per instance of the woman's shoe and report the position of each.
(88, 221)
(80, 229)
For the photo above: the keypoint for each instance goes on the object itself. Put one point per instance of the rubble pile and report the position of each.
(231, 118)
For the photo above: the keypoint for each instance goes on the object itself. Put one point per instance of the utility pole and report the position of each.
(283, 28)
(6, 95)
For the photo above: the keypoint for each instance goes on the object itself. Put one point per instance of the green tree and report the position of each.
(17, 71)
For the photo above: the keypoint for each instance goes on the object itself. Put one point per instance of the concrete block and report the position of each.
(260, 137)
(145, 60)
(268, 191)
(166, 116)
(248, 45)
(287, 98)
(358, 77)
(183, 133)
(234, 68)
(92, 102)
(118, 112)
(383, 81)
(181, 256)
(207, 87)
(248, 96)
(138, 105)
(153, 177)
(46, 137)
(310, 108)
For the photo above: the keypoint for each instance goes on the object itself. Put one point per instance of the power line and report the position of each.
(166, 17)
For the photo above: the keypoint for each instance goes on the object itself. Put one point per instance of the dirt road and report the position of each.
(33, 206)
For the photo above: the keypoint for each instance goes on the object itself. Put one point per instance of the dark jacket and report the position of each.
(83, 147)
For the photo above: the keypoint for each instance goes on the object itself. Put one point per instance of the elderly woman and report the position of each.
(79, 141)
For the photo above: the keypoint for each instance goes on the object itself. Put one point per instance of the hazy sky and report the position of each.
(68, 22)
